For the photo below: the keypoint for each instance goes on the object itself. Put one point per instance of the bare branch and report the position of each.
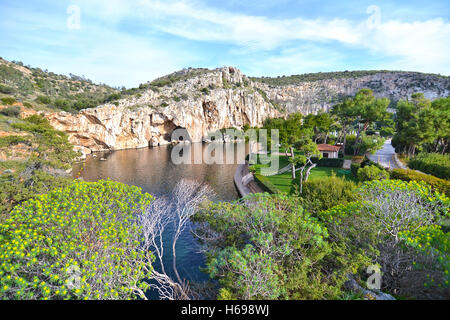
(185, 201)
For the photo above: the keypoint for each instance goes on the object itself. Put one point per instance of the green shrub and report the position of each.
(432, 163)
(16, 79)
(205, 91)
(225, 83)
(354, 168)
(265, 184)
(63, 104)
(324, 193)
(79, 242)
(28, 105)
(16, 189)
(43, 100)
(53, 149)
(161, 83)
(397, 224)
(270, 248)
(370, 173)
(114, 97)
(328, 162)
(6, 90)
(436, 184)
(8, 101)
(44, 169)
(430, 240)
(367, 162)
(10, 112)
(12, 140)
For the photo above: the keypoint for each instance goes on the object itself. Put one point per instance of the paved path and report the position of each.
(385, 156)
(347, 164)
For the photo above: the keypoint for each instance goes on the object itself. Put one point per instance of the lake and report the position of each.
(152, 170)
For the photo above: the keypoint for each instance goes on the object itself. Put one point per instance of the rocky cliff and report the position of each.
(314, 96)
(203, 101)
(202, 104)
(200, 101)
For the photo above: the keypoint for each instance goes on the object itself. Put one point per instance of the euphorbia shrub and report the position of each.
(77, 242)
(398, 224)
(268, 247)
(372, 173)
(324, 193)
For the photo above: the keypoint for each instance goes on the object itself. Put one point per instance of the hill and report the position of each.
(196, 99)
(47, 90)
(311, 77)
(306, 93)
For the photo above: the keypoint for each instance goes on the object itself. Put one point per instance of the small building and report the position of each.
(329, 151)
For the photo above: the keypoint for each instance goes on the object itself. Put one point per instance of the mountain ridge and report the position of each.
(79, 93)
(202, 101)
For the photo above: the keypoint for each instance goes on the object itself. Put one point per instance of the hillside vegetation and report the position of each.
(305, 244)
(40, 88)
(311, 77)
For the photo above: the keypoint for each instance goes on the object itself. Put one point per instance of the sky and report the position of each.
(125, 43)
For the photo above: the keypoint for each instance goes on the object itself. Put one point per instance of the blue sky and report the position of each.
(121, 42)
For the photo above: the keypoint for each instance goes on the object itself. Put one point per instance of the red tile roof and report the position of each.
(328, 147)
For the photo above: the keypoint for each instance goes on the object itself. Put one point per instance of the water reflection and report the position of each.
(153, 171)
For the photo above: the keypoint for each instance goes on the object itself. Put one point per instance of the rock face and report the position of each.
(316, 96)
(353, 286)
(201, 105)
(205, 101)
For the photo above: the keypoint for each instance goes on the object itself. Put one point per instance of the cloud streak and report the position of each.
(124, 42)
(421, 45)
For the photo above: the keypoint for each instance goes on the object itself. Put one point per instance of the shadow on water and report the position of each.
(153, 171)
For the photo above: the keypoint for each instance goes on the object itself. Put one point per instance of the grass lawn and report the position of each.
(284, 181)
(284, 162)
(321, 172)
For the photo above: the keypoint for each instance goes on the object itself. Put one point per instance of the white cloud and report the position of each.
(108, 48)
(304, 59)
(126, 62)
(420, 45)
(101, 54)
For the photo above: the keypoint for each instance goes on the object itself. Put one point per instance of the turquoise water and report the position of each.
(153, 171)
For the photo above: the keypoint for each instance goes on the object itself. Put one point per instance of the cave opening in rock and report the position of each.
(171, 134)
(180, 134)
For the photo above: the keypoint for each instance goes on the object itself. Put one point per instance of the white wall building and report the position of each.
(329, 151)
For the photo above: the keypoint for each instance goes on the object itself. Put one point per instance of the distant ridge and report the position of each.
(311, 77)
(305, 93)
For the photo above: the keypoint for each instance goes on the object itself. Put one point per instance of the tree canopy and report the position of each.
(422, 125)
